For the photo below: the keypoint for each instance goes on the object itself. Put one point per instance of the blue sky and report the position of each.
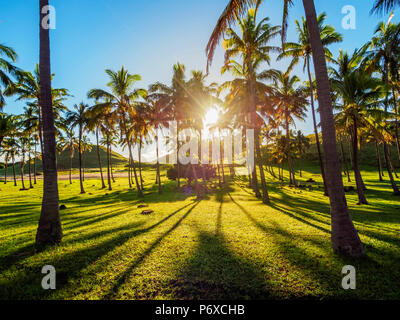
(147, 37)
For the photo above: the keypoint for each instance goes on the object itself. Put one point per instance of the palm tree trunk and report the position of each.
(5, 170)
(344, 159)
(221, 154)
(111, 164)
(14, 174)
(357, 174)
(34, 165)
(290, 160)
(49, 229)
(158, 165)
(378, 156)
(108, 163)
(70, 166)
(30, 171)
(140, 162)
(345, 239)
(80, 160)
(99, 158)
(22, 164)
(391, 163)
(321, 162)
(265, 195)
(389, 169)
(177, 155)
(396, 122)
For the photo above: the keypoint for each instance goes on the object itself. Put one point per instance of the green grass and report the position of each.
(228, 245)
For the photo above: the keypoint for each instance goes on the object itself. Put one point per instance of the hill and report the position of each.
(89, 158)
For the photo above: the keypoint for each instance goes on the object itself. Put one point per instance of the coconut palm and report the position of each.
(121, 98)
(302, 50)
(252, 46)
(359, 95)
(7, 57)
(174, 101)
(345, 239)
(28, 89)
(302, 144)
(72, 144)
(78, 118)
(381, 6)
(49, 229)
(382, 56)
(291, 101)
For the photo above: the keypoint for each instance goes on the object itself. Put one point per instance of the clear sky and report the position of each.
(147, 37)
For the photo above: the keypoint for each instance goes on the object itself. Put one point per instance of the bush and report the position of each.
(187, 172)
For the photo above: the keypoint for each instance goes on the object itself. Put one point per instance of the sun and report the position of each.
(211, 117)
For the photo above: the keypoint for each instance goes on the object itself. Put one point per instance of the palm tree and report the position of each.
(302, 144)
(253, 46)
(174, 101)
(72, 144)
(359, 94)
(7, 69)
(121, 98)
(382, 57)
(291, 101)
(78, 118)
(381, 6)
(49, 229)
(302, 49)
(93, 125)
(345, 239)
(28, 89)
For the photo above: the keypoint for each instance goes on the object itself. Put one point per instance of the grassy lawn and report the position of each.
(228, 245)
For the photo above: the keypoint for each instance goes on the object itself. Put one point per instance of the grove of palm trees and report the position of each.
(258, 177)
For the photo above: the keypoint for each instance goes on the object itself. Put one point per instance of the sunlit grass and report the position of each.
(228, 245)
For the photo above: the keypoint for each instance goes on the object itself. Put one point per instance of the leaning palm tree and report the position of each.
(302, 50)
(49, 229)
(78, 118)
(121, 98)
(345, 239)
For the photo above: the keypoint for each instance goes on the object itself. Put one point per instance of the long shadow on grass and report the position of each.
(68, 265)
(122, 278)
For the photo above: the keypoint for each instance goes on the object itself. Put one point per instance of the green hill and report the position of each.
(367, 153)
(63, 161)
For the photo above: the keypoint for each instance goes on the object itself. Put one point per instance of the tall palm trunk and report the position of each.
(5, 169)
(99, 158)
(177, 154)
(378, 156)
(30, 171)
(158, 165)
(22, 165)
(34, 164)
(265, 195)
(80, 159)
(321, 162)
(344, 159)
(253, 119)
(14, 173)
(140, 163)
(221, 154)
(49, 229)
(357, 174)
(111, 164)
(108, 163)
(396, 122)
(140, 193)
(385, 145)
(71, 155)
(345, 239)
(290, 160)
